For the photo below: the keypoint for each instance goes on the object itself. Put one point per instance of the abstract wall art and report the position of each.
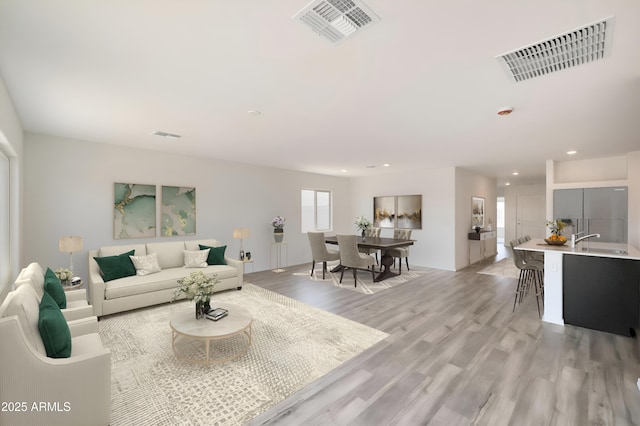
(134, 211)
(178, 211)
(384, 212)
(409, 212)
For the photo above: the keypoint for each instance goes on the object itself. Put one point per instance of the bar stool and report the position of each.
(531, 272)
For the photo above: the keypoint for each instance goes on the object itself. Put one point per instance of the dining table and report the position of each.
(377, 243)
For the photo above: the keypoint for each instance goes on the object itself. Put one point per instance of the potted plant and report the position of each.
(278, 228)
(64, 275)
(199, 287)
(362, 223)
(556, 238)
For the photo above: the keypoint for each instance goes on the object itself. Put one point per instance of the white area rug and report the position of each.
(293, 345)
(504, 267)
(364, 281)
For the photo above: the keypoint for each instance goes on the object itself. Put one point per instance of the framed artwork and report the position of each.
(178, 211)
(134, 211)
(384, 212)
(477, 212)
(409, 212)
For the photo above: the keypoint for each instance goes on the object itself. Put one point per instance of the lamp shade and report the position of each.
(70, 244)
(240, 232)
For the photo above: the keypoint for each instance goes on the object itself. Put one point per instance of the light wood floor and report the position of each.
(457, 355)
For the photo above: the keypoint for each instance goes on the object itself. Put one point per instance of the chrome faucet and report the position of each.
(575, 240)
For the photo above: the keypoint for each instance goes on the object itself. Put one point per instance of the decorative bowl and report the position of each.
(555, 242)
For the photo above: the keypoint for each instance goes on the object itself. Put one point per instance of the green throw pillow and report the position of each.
(114, 267)
(216, 254)
(53, 286)
(54, 329)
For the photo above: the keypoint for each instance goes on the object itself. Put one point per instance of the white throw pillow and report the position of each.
(196, 259)
(146, 265)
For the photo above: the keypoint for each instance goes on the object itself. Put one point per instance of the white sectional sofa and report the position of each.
(77, 306)
(77, 388)
(138, 291)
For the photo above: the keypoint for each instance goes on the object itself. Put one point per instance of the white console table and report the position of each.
(481, 239)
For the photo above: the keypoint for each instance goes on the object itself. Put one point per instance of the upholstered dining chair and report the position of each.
(319, 251)
(400, 252)
(531, 272)
(373, 232)
(352, 259)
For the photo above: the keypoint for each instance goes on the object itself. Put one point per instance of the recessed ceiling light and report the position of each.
(386, 165)
(572, 152)
(344, 170)
(515, 173)
(507, 184)
(166, 135)
(253, 112)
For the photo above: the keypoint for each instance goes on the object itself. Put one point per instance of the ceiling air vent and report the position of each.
(336, 20)
(166, 134)
(577, 47)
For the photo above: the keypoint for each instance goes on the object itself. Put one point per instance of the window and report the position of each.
(316, 210)
(5, 258)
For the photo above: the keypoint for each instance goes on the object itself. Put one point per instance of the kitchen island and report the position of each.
(600, 282)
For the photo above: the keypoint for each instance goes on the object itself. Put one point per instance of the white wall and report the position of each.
(446, 210)
(470, 184)
(511, 194)
(435, 246)
(69, 191)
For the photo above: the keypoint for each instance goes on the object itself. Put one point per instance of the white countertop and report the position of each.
(538, 244)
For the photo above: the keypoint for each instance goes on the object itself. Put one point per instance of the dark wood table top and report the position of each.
(374, 242)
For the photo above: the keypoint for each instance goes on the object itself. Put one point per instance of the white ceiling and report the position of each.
(419, 89)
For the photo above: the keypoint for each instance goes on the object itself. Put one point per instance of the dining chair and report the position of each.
(373, 232)
(400, 252)
(319, 251)
(531, 272)
(352, 259)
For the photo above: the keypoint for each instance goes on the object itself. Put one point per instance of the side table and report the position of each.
(246, 262)
(72, 287)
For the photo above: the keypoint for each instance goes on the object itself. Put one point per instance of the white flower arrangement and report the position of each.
(278, 222)
(196, 286)
(63, 274)
(362, 223)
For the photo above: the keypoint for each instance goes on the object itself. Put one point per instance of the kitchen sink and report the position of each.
(604, 250)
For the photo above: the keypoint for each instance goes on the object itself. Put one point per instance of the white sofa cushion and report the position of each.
(146, 265)
(196, 258)
(34, 275)
(165, 279)
(23, 302)
(140, 250)
(170, 254)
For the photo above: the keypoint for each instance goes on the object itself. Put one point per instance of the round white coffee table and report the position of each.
(237, 322)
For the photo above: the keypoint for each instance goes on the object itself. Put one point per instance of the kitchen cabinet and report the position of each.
(593, 210)
(602, 293)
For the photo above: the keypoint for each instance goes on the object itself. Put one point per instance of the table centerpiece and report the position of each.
(556, 238)
(199, 287)
(362, 224)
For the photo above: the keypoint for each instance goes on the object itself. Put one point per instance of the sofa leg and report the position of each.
(240, 288)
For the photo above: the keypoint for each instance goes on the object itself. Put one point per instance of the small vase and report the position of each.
(201, 309)
(364, 234)
(278, 235)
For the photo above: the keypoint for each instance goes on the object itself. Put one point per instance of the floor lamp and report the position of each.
(70, 245)
(241, 233)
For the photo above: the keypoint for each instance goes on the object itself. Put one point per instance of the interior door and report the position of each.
(530, 216)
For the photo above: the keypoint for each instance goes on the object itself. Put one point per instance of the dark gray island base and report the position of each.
(602, 293)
